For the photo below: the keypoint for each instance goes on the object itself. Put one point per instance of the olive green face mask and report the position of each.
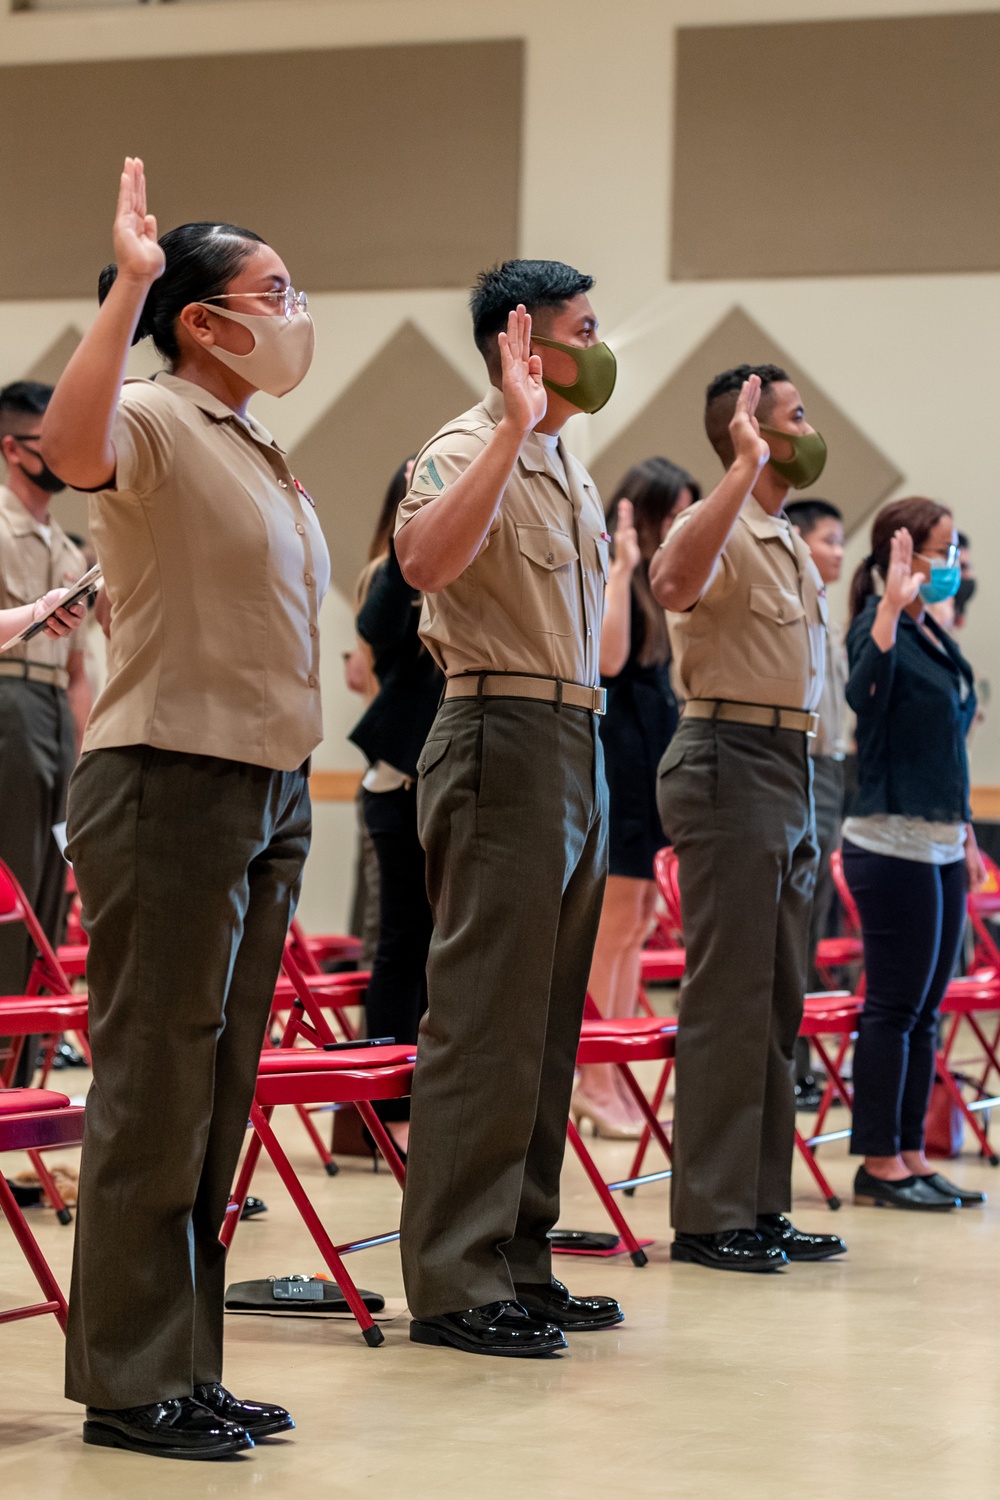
(596, 371)
(807, 461)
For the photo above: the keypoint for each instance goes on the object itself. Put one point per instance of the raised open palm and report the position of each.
(743, 429)
(524, 398)
(627, 550)
(901, 583)
(137, 252)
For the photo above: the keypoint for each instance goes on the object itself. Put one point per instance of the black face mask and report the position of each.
(46, 480)
(963, 594)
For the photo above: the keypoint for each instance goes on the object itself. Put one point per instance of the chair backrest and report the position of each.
(47, 975)
(300, 949)
(844, 892)
(666, 871)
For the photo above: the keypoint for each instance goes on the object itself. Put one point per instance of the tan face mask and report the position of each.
(282, 352)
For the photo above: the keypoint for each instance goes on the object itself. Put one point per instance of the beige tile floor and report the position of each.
(877, 1376)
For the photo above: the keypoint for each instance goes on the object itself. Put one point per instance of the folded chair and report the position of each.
(32, 1120)
(312, 950)
(355, 1075)
(47, 1009)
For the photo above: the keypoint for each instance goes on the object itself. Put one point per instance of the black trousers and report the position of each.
(912, 919)
(189, 870)
(513, 812)
(397, 994)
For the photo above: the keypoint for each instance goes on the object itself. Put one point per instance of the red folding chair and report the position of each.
(846, 951)
(312, 950)
(357, 1076)
(624, 1042)
(32, 1120)
(47, 1009)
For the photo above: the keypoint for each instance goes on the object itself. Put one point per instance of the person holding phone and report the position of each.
(189, 814)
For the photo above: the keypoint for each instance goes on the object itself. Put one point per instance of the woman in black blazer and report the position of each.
(391, 733)
(909, 850)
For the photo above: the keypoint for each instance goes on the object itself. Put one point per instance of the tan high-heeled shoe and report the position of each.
(601, 1123)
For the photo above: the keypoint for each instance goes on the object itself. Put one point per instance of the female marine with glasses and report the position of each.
(909, 851)
(189, 816)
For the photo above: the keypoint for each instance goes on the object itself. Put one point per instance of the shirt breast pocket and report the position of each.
(549, 588)
(775, 642)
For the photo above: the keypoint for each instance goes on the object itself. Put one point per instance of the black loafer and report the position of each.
(502, 1328)
(775, 1229)
(914, 1193)
(555, 1304)
(179, 1428)
(252, 1207)
(964, 1197)
(259, 1418)
(732, 1250)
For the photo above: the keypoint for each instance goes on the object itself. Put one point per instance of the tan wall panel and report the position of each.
(833, 147)
(346, 460)
(372, 167)
(856, 478)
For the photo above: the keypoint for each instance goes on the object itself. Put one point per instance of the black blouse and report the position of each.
(915, 704)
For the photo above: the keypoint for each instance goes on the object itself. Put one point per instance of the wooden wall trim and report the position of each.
(334, 786)
(986, 803)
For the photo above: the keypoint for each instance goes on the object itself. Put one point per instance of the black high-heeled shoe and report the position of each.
(914, 1193)
(376, 1154)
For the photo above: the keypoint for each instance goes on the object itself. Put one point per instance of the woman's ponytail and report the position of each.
(862, 586)
(105, 282)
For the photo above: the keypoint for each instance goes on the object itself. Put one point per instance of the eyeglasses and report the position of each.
(291, 301)
(948, 559)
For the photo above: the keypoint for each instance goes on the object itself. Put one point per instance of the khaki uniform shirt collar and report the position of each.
(19, 519)
(217, 409)
(534, 455)
(764, 525)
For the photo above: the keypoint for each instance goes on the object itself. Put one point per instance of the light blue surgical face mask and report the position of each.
(943, 582)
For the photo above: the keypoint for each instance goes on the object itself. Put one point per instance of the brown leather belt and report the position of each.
(752, 713)
(538, 689)
(34, 671)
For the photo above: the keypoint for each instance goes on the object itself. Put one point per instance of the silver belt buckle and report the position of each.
(600, 702)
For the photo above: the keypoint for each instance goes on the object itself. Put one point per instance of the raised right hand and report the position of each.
(901, 583)
(627, 553)
(137, 253)
(748, 445)
(524, 396)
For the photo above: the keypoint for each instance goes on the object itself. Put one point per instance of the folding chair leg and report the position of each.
(814, 1167)
(53, 1194)
(635, 1250)
(646, 1110)
(833, 1080)
(238, 1196)
(382, 1139)
(329, 1165)
(54, 1302)
(945, 1076)
(644, 1139)
(372, 1335)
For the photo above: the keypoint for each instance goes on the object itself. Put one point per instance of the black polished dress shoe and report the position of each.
(775, 1229)
(179, 1428)
(496, 1328)
(914, 1193)
(964, 1197)
(259, 1419)
(252, 1207)
(554, 1303)
(732, 1250)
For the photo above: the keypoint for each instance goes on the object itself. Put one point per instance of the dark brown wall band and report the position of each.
(368, 168)
(837, 148)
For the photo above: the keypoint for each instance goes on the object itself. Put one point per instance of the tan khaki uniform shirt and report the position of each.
(29, 567)
(832, 735)
(758, 632)
(533, 600)
(215, 567)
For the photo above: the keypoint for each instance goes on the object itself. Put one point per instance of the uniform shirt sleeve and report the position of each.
(436, 468)
(722, 576)
(142, 435)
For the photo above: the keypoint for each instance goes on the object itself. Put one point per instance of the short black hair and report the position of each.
(963, 540)
(22, 398)
(202, 259)
(720, 402)
(536, 283)
(807, 514)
